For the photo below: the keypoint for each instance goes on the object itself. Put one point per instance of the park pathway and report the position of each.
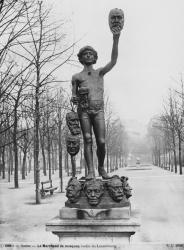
(159, 194)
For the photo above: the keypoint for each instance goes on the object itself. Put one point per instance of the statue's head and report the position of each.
(87, 55)
(93, 190)
(115, 188)
(126, 188)
(72, 121)
(73, 190)
(116, 20)
(73, 144)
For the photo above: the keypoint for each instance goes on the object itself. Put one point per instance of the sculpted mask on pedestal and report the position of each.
(73, 190)
(115, 188)
(73, 123)
(126, 188)
(116, 20)
(73, 144)
(94, 190)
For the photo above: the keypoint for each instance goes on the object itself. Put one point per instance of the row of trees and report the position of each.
(33, 103)
(33, 48)
(116, 140)
(166, 132)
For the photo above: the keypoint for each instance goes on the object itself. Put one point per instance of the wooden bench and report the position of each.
(46, 189)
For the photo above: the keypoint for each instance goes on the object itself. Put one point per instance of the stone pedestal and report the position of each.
(98, 227)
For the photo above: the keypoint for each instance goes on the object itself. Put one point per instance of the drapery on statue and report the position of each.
(87, 94)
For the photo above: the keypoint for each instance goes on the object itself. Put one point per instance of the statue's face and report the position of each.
(94, 191)
(127, 189)
(73, 146)
(116, 20)
(73, 191)
(73, 124)
(116, 189)
(88, 57)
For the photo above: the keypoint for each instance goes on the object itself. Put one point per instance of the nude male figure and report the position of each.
(87, 93)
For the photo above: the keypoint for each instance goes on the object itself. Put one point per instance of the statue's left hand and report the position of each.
(116, 31)
(116, 35)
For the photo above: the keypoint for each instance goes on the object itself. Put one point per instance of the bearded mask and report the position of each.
(116, 20)
(115, 188)
(94, 190)
(73, 190)
(73, 144)
(73, 123)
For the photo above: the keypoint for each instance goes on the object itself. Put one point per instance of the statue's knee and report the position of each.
(101, 142)
(88, 139)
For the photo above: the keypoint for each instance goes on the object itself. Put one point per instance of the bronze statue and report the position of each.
(72, 121)
(73, 190)
(115, 188)
(93, 190)
(87, 93)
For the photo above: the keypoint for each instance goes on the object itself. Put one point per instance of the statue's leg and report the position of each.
(99, 131)
(86, 128)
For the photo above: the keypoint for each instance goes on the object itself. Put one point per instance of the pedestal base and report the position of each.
(114, 231)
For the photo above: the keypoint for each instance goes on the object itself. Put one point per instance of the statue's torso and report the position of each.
(93, 81)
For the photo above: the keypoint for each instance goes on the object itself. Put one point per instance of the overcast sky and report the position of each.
(151, 49)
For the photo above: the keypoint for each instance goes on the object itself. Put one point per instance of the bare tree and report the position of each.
(44, 51)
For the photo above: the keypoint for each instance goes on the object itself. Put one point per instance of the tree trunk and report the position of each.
(10, 162)
(107, 159)
(15, 147)
(53, 156)
(175, 161)
(174, 151)
(60, 153)
(29, 162)
(180, 160)
(24, 165)
(36, 144)
(49, 158)
(116, 162)
(3, 163)
(9, 166)
(169, 160)
(43, 153)
(66, 163)
(20, 159)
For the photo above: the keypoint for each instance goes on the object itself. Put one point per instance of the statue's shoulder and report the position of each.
(76, 76)
(99, 70)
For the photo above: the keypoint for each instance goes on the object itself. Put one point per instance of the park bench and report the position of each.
(47, 188)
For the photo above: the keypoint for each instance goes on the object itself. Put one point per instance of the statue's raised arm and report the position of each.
(116, 22)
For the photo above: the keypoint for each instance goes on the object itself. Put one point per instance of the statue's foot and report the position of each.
(103, 173)
(90, 176)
